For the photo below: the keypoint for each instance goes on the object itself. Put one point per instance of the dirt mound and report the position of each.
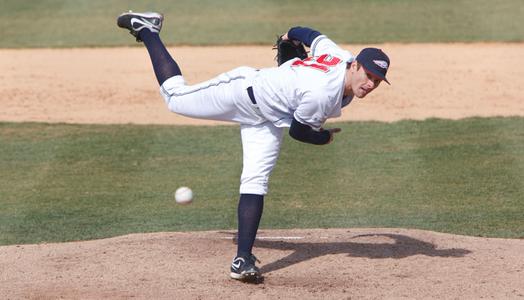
(306, 264)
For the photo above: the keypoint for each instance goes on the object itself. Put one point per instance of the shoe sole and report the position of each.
(121, 23)
(144, 15)
(246, 276)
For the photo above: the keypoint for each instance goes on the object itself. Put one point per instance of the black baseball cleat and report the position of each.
(135, 22)
(243, 269)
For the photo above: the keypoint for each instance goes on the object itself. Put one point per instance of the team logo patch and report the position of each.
(381, 63)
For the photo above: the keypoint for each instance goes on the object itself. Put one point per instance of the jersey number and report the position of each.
(322, 63)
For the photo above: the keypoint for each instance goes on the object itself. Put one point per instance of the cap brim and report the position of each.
(383, 78)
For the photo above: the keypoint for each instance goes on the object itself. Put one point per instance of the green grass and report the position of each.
(75, 182)
(70, 23)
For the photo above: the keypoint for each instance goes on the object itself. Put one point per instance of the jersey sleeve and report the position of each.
(313, 110)
(306, 134)
(304, 34)
(323, 45)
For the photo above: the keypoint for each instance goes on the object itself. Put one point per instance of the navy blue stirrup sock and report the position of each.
(250, 209)
(164, 65)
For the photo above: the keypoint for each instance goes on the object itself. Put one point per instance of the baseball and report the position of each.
(183, 195)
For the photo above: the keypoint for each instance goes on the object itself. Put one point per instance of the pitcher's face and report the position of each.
(362, 82)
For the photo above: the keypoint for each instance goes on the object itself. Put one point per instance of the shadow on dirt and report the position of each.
(401, 246)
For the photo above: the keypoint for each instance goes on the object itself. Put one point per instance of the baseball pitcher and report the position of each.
(300, 94)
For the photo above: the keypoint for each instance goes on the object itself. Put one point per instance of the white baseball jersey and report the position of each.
(310, 91)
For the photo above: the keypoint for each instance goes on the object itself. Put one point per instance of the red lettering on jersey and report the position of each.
(328, 60)
(321, 63)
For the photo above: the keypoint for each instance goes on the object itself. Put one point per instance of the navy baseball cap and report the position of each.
(375, 61)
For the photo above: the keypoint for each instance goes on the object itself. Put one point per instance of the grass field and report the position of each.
(74, 182)
(66, 23)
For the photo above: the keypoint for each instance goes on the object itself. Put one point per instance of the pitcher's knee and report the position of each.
(169, 87)
(258, 187)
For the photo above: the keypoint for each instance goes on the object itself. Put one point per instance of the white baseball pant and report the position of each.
(225, 98)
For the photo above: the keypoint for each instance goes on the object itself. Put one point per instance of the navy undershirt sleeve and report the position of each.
(306, 134)
(303, 34)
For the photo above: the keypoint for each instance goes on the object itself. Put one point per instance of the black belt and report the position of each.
(251, 95)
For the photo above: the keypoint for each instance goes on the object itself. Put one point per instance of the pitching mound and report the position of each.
(306, 264)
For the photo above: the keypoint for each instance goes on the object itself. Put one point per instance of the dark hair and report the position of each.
(350, 63)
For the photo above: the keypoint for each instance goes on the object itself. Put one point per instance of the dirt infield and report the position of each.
(117, 86)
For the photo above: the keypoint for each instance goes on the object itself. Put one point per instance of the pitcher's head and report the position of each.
(367, 71)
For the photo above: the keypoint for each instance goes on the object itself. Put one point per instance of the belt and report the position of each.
(251, 95)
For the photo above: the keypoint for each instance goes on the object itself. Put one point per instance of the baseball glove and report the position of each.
(288, 49)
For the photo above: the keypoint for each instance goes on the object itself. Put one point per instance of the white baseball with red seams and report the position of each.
(183, 195)
(310, 91)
